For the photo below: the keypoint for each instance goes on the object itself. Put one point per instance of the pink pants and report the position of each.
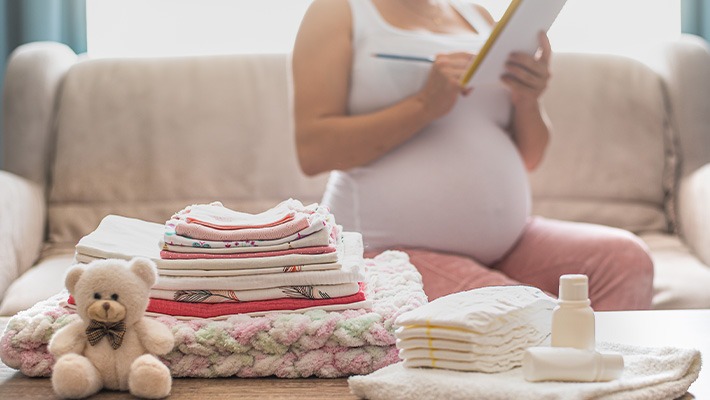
(617, 263)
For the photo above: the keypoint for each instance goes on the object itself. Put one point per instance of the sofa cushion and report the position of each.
(611, 158)
(145, 137)
(44, 280)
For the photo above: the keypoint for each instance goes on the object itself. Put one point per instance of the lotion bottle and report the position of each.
(573, 318)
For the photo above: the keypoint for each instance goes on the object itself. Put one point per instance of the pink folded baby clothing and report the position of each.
(197, 231)
(256, 271)
(217, 216)
(214, 262)
(324, 236)
(171, 255)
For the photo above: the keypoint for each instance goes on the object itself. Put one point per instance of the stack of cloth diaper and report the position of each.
(214, 262)
(483, 330)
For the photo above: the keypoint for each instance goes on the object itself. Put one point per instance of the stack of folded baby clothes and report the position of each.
(214, 262)
(484, 330)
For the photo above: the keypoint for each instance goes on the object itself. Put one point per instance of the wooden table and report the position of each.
(685, 328)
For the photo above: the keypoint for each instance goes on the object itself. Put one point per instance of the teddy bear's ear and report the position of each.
(72, 277)
(145, 269)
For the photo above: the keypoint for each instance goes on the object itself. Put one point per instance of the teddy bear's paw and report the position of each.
(149, 378)
(75, 377)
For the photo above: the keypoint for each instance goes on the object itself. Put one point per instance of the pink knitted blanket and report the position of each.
(287, 345)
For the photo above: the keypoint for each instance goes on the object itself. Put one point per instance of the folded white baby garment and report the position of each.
(242, 272)
(484, 330)
(285, 292)
(347, 274)
(649, 374)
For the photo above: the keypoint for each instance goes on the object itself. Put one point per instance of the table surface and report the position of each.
(680, 328)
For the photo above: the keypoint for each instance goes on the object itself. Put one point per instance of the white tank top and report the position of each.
(457, 186)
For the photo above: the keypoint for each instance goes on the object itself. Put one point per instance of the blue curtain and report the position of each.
(695, 17)
(24, 21)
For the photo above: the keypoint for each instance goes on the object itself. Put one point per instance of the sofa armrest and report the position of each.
(684, 65)
(694, 212)
(22, 221)
(33, 79)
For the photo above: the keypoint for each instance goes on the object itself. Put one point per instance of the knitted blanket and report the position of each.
(287, 345)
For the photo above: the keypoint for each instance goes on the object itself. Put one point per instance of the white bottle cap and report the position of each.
(612, 367)
(574, 287)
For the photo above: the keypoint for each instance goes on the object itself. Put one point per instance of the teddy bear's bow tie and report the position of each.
(113, 331)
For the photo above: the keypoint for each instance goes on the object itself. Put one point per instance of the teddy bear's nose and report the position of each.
(106, 306)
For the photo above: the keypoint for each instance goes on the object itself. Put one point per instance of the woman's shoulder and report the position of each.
(330, 8)
(327, 16)
(324, 19)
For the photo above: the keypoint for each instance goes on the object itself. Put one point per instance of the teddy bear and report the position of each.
(113, 345)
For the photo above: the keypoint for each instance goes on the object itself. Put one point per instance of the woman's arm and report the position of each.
(326, 136)
(527, 76)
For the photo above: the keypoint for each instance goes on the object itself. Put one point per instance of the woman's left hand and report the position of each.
(527, 75)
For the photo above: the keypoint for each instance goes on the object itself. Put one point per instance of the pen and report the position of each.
(404, 57)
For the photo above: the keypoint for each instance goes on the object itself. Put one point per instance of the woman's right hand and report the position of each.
(443, 86)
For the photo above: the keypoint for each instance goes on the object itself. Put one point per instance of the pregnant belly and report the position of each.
(464, 193)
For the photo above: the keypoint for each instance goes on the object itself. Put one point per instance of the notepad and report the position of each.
(517, 30)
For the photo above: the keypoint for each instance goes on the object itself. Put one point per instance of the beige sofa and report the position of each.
(144, 137)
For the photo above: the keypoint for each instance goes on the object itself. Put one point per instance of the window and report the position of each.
(191, 27)
(187, 27)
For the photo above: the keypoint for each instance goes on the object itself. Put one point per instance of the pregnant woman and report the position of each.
(438, 170)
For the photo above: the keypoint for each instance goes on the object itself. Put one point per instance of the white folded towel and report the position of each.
(649, 374)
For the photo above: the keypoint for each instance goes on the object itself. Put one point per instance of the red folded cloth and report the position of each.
(211, 310)
(167, 254)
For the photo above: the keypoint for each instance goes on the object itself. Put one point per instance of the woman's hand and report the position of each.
(526, 76)
(443, 86)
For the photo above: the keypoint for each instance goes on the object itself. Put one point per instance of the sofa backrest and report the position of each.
(146, 137)
(612, 157)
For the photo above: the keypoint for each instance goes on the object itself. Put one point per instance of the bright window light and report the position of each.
(627, 27)
(191, 27)
(125, 28)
